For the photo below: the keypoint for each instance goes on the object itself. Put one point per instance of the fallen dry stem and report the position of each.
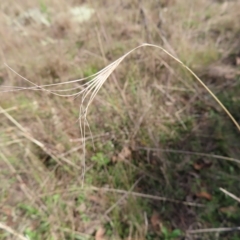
(210, 230)
(125, 192)
(136, 194)
(36, 142)
(123, 196)
(190, 153)
(12, 231)
(230, 194)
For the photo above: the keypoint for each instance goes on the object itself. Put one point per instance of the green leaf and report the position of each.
(176, 233)
(164, 231)
(100, 159)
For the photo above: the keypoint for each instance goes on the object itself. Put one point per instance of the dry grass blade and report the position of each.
(136, 194)
(191, 153)
(123, 197)
(28, 136)
(126, 193)
(8, 110)
(211, 230)
(12, 231)
(230, 194)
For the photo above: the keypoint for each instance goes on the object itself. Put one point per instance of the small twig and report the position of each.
(12, 231)
(230, 194)
(21, 128)
(88, 138)
(68, 230)
(209, 230)
(10, 142)
(190, 153)
(8, 109)
(120, 191)
(123, 196)
(146, 222)
(145, 23)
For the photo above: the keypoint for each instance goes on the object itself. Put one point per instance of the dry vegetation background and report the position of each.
(159, 148)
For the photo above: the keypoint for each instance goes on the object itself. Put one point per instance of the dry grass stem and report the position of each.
(27, 135)
(211, 230)
(136, 194)
(191, 153)
(12, 231)
(230, 194)
(123, 197)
